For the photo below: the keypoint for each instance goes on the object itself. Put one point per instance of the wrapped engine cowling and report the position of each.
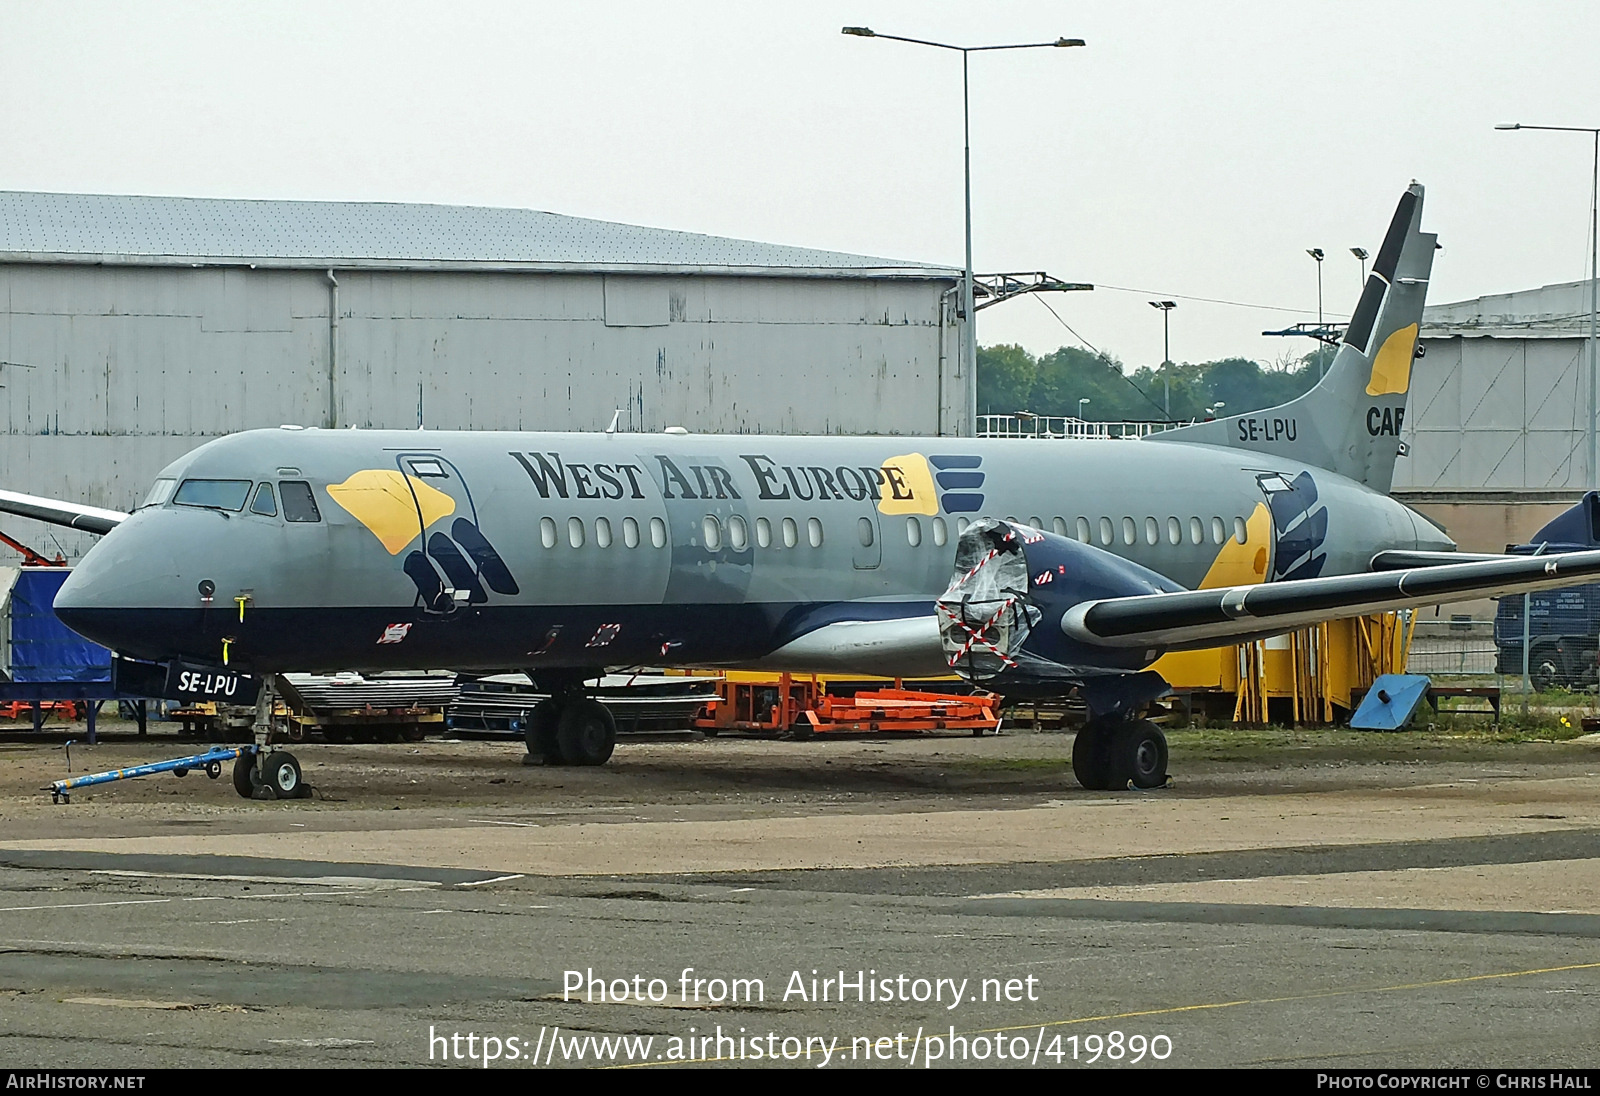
(1000, 617)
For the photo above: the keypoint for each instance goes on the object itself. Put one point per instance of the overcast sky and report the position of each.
(1190, 149)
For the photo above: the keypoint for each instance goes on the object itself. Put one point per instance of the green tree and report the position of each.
(1005, 379)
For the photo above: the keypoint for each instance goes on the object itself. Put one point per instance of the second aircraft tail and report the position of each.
(1350, 422)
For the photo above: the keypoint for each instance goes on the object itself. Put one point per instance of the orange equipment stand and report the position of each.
(800, 705)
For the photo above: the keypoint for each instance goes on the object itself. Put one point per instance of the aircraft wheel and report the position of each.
(283, 776)
(245, 777)
(539, 731)
(586, 732)
(1136, 753)
(1089, 762)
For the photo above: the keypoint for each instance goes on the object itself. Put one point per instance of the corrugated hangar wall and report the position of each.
(111, 372)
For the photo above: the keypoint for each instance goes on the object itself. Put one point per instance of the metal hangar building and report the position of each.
(133, 329)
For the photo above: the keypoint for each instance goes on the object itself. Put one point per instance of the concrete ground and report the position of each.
(1296, 898)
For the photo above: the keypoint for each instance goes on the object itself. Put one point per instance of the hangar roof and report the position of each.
(136, 230)
(1559, 311)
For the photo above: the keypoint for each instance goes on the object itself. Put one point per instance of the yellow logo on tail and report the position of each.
(387, 502)
(1391, 369)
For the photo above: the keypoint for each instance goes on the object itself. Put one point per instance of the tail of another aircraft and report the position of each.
(1350, 422)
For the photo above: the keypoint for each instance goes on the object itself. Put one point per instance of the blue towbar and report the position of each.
(211, 761)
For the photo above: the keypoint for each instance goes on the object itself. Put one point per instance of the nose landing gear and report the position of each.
(269, 772)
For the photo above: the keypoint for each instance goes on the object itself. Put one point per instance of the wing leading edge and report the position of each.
(91, 519)
(1209, 618)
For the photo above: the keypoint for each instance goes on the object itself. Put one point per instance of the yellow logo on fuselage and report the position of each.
(907, 486)
(393, 506)
(1243, 564)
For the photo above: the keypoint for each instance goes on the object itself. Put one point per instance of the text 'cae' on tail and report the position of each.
(1350, 422)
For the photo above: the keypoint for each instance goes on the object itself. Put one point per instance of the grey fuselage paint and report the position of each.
(483, 551)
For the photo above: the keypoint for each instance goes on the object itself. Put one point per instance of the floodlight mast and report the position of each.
(1593, 480)
(969, 355)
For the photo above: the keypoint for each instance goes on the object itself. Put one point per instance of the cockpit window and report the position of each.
(213, 494)
(298, 502)
(160, 492)
(264, 504)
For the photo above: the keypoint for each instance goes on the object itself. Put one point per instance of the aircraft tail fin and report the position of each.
(1350, 422)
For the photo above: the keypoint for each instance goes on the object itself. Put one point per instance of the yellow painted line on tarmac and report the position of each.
(1176, 1009)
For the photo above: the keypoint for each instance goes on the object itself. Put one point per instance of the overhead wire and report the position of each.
(1165, 414)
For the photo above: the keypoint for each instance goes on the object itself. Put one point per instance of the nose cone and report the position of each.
(116, 594)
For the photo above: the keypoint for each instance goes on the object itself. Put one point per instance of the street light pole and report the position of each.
(969, 348)
(1166, 308)
(1361, 255)
(1322, 365)
(1594, 278)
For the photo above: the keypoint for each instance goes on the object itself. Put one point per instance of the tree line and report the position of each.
(1010, 379)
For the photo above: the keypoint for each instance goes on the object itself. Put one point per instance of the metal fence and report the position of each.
(1064, 426)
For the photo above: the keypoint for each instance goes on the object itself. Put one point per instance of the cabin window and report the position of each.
(738, 534)
(864, 531)
(961, 525)
(1105, 532)
(1240, 533)
(1174, 531)
(1130, 532)
(1152, 531)
(264, 503)
(160, 492)
(602, 532)
(658, 533)
(814, 531)
(711, 530)
(763, 533)
(1197, 531)
(941, 532)
(1218, 533)
(575, 532)
(1058, 526)
(213, 494)
(913, 532)
(791, 533)
(547, 532)
(1081, 527)
(298, 502)
(630, 532)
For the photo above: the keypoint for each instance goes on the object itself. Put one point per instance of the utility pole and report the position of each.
(1166, 308)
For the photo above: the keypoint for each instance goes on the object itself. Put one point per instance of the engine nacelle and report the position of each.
(1000, 617)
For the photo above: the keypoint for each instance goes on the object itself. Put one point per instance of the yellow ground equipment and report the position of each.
(1314, 675)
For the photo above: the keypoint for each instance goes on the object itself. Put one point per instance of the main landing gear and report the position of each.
(1112, 753)
(268, 773)
(569, 728)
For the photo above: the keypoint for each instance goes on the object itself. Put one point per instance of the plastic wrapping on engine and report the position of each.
(984, 615)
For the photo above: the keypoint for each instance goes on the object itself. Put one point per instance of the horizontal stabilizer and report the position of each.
(1210, 618)
(91, 519)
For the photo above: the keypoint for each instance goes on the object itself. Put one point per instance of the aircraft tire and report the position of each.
(540, 731)
(1136, 754)
(586, 732)
(245, 777)
(1089, 757)
(283, 776)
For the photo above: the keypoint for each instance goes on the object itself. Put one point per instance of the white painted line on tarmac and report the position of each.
(88, 905)
(496, 879)
(492, 822)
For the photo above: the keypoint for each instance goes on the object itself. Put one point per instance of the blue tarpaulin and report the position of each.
(42, 648)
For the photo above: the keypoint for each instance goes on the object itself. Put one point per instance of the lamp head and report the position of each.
(1359, 252)
(1509, 125)
(1069, 41)
(859, 32)
(1315, 253)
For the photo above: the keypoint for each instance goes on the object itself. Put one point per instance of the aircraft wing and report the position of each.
(1209, 618)
(73, 515)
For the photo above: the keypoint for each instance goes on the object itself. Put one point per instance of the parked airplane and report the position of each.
(1075, 564)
